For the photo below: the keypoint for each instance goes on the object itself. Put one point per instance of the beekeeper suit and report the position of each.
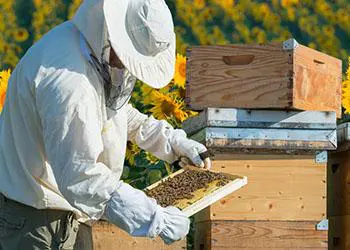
(66, 121)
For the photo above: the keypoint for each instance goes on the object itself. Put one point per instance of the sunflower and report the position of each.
(37, 3)
(131, 151)
(180, 71)
(346, 91)
(10, 59)
(4, 78)
(168, 105)
(21, 35)
(73, 8)
(348, 71)
(199, 4)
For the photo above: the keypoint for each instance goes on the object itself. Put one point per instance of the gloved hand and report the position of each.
(177, 225)
(189, 150)
(131, 210)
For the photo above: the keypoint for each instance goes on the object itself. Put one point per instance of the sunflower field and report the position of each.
(320, 24)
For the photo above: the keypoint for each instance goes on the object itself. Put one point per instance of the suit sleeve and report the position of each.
(152, 135)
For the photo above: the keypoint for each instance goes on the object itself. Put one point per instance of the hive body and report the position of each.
(285, 197)
(338, 188)
(277, 75)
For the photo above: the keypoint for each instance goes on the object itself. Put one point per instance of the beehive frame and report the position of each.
(209, 197)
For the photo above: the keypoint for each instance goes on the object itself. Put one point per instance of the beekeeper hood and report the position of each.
(141, 32)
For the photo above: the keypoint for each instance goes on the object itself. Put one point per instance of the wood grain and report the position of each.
(106, 236)
(339, 233)
(317, 82)
(280, 187)
(259, 235)
(264, 80)
(263, 76)
(338, 186)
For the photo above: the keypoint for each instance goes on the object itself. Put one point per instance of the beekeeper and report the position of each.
(66, 122)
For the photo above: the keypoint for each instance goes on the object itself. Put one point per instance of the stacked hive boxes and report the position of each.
(282, 152)
(338, 209)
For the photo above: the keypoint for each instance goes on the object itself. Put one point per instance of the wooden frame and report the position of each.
(212, 197)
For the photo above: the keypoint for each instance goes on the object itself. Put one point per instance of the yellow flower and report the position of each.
(37, 3)
(199, 4)
(288, 3)
(348, 71)
(225, 4)
(346, 91)
(4, 78)
(21, 35)
(291, 14)
(10, 59)
(167, 106)
(180, 71)
(131, 150)
(73, 8)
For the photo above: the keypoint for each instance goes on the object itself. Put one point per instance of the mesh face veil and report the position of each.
(118, 83)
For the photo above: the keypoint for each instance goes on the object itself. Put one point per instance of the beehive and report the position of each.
(286, 195)
(227, 129)
(283, 75)
(338, 209)
(106, 236)
(281, 205)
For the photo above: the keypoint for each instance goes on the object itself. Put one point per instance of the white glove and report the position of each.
(177, 225)
(189, 150)
(131, 210)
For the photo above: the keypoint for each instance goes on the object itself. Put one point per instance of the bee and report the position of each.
(182, 186)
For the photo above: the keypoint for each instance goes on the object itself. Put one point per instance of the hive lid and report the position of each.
(243, 118)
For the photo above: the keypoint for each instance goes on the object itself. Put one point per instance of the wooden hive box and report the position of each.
(279, 208)
(277, 75)
(338, 209)
(105, 236)
(286, 195)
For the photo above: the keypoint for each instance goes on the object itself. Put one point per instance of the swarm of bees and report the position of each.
(182, 186)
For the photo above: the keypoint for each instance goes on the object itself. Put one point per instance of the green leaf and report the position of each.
(153, 176)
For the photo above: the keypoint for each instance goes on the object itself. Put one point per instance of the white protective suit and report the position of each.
(59, 147)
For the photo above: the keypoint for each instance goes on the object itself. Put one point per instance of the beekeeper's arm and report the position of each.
(67, 106)
(161, 139)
